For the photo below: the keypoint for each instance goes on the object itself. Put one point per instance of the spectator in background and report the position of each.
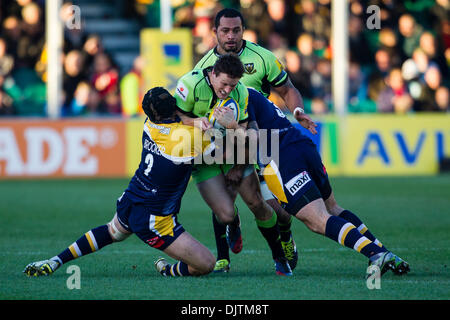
(428, 45)
(95, 105)
(395, 97)
(358, 99)
(6, 104)
(257, 19)
(250, 35)
(91, 48)
(321, 81)
(72, 76)
(390, 12)
(79, 104)
(131, 89)
(322, 49)
(6, 60)
(376, 79)
(439, 14)
(74, 38)
(426, 100)
(300, 79)
(105, 80)
(422, 63)
(305, 46)
(410, 33)
(204, 38)
(277, 44)
(15, 7)
(388, 41)
(86, 102)
(32, 39)
(358, 45)
(314, 22)
(183, 16)
(318, 106)
(442, 100)
(11, 33)
(277, 13)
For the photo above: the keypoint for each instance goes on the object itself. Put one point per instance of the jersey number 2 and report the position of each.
(149, 163)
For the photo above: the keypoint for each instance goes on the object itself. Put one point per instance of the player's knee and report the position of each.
(258, 206)
(309, 223)
(332, 206)
(206, 266)
(225, 215)
(115, 233)
(315, 227)
(209, 265)
(315, 219)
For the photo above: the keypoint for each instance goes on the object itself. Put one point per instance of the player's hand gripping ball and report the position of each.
(223, 103)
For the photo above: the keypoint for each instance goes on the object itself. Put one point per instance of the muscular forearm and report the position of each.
(291, 96)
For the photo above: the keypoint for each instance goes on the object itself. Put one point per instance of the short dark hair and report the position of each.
(229, 64)
(228, 13)
(158, 104)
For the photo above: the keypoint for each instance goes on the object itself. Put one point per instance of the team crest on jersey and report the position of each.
(249, 68)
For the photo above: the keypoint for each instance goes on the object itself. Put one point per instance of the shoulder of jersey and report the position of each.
(176, 141)
(256, 47)
(187, 82)
(209, 56)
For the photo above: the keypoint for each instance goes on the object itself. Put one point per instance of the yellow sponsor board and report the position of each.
(168, 56)
(134, 132)
(394, 144)
(359, 145)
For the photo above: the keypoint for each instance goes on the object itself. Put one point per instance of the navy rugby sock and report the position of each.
(353, 218)
(179, 269)
(347, 235)
(91, 241)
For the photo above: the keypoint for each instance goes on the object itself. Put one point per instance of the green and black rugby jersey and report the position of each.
(262, 69)
(195, 95)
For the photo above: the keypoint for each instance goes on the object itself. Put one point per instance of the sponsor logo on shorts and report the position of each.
(297, 182)
(155, 242)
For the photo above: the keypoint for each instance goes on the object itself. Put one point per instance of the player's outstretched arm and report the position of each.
(201, 123)
(294, 102)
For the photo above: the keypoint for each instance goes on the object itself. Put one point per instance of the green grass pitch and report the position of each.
(40, 218)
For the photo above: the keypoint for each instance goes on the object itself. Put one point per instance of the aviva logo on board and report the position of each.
(394, 144)
(172, 54)
(371, 145)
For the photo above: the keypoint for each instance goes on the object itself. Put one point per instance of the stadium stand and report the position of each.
(414, 40)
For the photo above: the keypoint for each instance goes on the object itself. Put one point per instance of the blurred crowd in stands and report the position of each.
(401, 67)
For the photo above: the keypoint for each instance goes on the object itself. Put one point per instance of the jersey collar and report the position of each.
(165, 121)
(205, 74)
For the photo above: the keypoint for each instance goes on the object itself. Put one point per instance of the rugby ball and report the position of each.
(223, 103)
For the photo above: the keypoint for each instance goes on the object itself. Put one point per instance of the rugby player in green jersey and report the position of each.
(197, 92)
(263, 72)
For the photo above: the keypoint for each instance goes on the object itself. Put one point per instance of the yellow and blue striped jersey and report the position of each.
(165, 167)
